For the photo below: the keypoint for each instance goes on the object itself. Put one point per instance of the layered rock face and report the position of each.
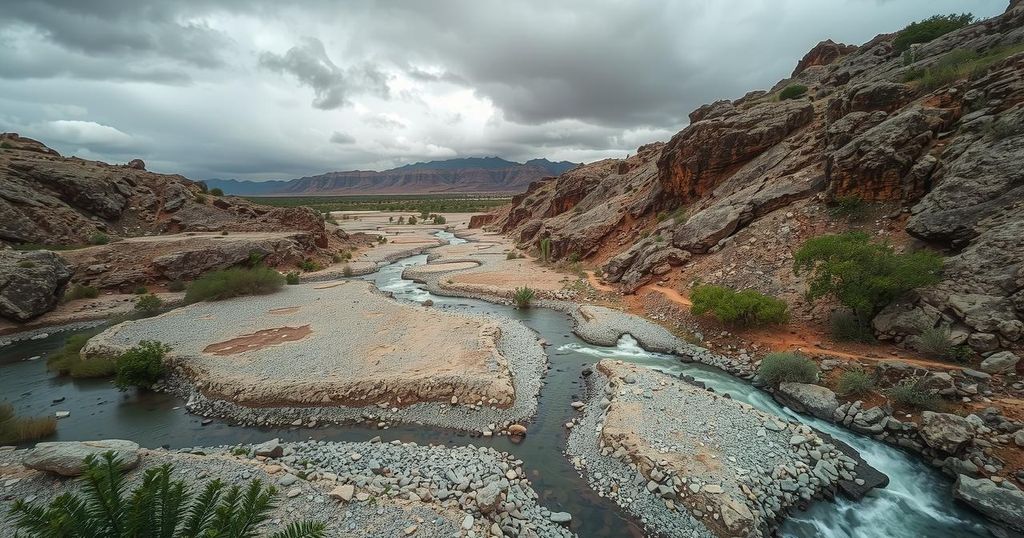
(31, 283)
(948, 153)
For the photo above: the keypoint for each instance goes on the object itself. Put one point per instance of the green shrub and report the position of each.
(787, 366)
(255, 258)
(545, 249)
(793, 91)
(745, 308)
(309, 266)
(234, 282)
(140, 290)
(929, 29)
(412, 220)
(511, 255)
(18, 430)
(959, 64)
(292, 278)
(99, 238)
(862, 275)
(438, 219)
(141, 366)
(907, 394)
(148, 304)
(853, 208)
(69, 360)
(158, 506)
(79, 291)
(523, 296)
(176, 285)
(854, 382)
(847, 327)
(935, 342)
(216, 191)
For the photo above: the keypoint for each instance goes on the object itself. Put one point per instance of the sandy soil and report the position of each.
(325, 345)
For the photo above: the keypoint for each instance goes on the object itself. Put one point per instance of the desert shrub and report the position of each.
(743, 308)
(863, 275)
(853, 382)
(401, 220)
(176, 285)
(18, 430)
(216, 191)
(907, 394)
(853, 208)
(347, 270)
(412, 220)
(793, 91)
(201, 198)
(78, 291)
(845, 326)
(959, 64)
(936, 342)
(523, 296)
(931, 28)
(961, 353)
(254, 258)
(234, 282)
(99, 238)
(148, 304)
(68, 361)
(140, 290)
(511, 255)
(158, 506)
(141, 366)
(787, 366)
(292, 278)
(438, 219)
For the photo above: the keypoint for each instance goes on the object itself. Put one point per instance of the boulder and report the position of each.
(487, 498)
(808, 398)
(67, 458)
(31, 283)
(945, 432)
(1000, 363)
(1003, 505)
(269, 449)
(824, 53)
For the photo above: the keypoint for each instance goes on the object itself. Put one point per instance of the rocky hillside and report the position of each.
(925, 144)
(469, 175)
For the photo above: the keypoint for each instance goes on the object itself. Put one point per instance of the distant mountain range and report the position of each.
(468, 175)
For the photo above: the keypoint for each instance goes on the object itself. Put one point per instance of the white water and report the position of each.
(916, 503)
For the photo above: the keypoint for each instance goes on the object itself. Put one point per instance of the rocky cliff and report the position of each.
(929, 141)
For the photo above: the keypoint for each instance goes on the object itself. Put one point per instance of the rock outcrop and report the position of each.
(824, 53)
(808, 398)
(31, 283)
(1004, 505)
(67, 458)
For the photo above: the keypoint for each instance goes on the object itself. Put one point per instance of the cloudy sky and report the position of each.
(259, 89)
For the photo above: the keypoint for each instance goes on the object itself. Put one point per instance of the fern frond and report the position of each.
(301, 529)
(202, 511)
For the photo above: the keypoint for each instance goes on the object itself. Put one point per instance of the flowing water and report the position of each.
(917, 501)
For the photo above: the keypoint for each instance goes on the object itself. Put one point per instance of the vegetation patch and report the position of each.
(745, 308)
(907, 394)
(787, 367)
(141, 366)
(959, 64)
(176, 285)
(292, 278)
(234, 282)
(148, 304)
(793, 91)
(14, 429)
(69, 360)
(855, 382)
(845, 326)
(931, 28)
(78, 291)
(99, 238)
(852, 208)
(523, 296)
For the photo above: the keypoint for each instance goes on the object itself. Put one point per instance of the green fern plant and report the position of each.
(159, 507)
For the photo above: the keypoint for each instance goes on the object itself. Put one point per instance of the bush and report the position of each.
(148, 304)
(907, 394)
(99, 238)
(292, 278)
(309, 266)
(18, 430)
(140, 290)
(69, 360)
(141, 366)
(862, 275)
(793, 91)
(929, 29)
(853, 208)
(234, 282)
(787, 366)
(512, 255)
(412, 220)
(744, 308)
(158, 506)
(853, 382)
(959, 64)
(438, 219)
(79, 291)
(216, 191)
(935, 342)
(201, 198)
(847, 327)
(176, 285)
(523, 296)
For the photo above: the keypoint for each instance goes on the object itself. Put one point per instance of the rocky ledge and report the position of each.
(689, 462)
(371, 489)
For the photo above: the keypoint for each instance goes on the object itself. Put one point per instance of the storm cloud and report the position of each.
(256, 89)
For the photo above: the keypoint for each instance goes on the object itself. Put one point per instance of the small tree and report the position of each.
(929, 29)
(216, 191)
(438, 219)
(862, 275)
(523, 296)
(148, 304)
(744, 308)
(141, 366)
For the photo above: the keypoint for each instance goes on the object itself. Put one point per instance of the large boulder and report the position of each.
(1004, 505)
(824, 53)
(945, 432)
(68, 458)
(1000, 363)
(31, 283)
(808, 398)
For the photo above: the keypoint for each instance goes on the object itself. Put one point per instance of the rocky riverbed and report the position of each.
(370, 489)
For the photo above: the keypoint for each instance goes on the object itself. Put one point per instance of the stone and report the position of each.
(1000, 363)
(1003, 505)
(560, 517)
(269, 449)
(517, 430)
(487, 498)
(983, 342)
(67, 458)
(343, 492)
(467, 522)
(944, 431)
(808, 398)
(31, 283)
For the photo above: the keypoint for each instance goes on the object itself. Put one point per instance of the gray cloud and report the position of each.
(338, 137)
(308, 62)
